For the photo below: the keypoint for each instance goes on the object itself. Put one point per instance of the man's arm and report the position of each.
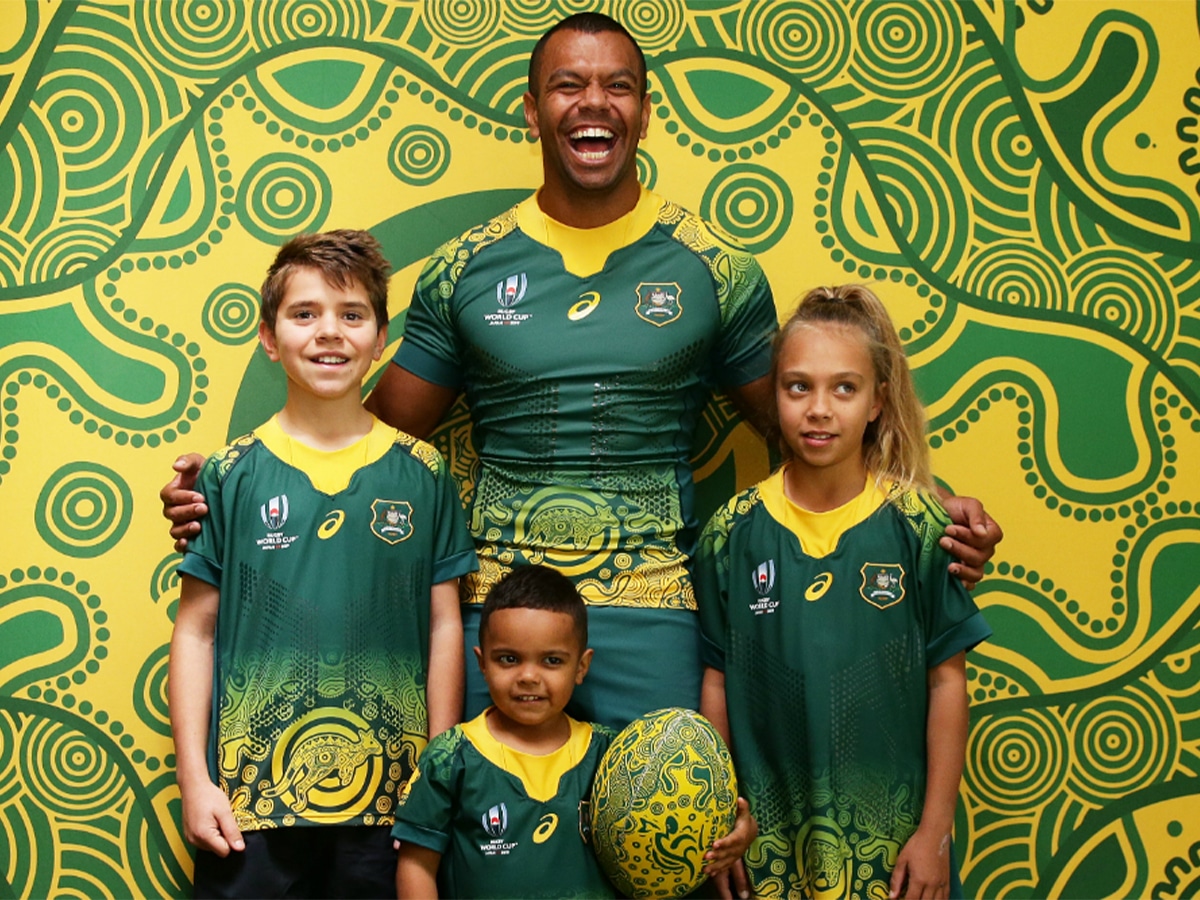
(754, 401)
(207, 816)
(409, 402)
(444, 690)
(416, 872)
(924, 862)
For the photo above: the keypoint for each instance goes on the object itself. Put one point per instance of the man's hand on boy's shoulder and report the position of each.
(181, 504)
(971, 539)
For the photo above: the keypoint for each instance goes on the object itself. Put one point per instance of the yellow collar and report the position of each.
(330, 472)
(819, 532)
(585, 250)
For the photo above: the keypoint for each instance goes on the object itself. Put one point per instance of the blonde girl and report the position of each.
(834, 633)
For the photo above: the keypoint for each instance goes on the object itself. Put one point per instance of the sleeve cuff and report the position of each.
(406, 832)
(455, 566)
(427, 366)
(963, 636)
(199, 567)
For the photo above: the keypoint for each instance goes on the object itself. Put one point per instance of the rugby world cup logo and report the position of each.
(275, 512)
(495, 820)
(511, 290)
(764, 578)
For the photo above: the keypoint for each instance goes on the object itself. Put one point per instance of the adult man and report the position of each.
(587, 327)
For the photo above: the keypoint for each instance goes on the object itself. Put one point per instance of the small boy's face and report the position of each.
(325, 337)
(531, 659)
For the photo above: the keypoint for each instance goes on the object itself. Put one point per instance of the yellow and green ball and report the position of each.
(664, 791)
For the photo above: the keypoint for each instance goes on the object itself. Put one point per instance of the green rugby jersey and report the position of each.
(322, 638)
(825, 661)
(584, 391)
(470, 803)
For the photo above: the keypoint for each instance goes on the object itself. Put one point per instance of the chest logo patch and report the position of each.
(819, 586)
(588, 301)
(391, 520)
(659, 302)
(882, 584)
(331, 525)
(545, 828)
(764, 578)
(511, 290)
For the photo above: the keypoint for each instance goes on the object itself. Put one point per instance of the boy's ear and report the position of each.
(478, 657)
(266, 337)
(380, 342)
(585, 662)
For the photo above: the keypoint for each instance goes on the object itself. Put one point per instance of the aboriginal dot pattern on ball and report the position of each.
(668, 772)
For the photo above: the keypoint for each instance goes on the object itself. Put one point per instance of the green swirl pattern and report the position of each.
(1019, 181)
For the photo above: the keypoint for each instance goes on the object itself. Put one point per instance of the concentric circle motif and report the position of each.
(282, 195)
(1121, 743)
(66, 772)
(752, 203)
(150, 692)
(283, 21)
(529, 18)
(1017, 762)
(193, 38)
(810, 39)
(1017, 274)
(904, 49)
(655, 24)
(419, 155)
(83, 509)
(463, 23)
(1124, 291)
(230, 313)
(67, 248)
(647, 169)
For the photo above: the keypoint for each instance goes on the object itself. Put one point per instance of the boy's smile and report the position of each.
(325, 337)
(531, 660)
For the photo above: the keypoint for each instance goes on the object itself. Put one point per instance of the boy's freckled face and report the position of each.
(325, 337)
(531, 660)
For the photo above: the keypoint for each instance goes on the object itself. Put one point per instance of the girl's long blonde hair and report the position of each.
(894, 447)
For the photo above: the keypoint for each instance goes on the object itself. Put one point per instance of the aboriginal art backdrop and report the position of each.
(1019, 181)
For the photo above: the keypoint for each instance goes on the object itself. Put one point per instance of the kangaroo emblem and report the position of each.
(561, 526)
(315, 757)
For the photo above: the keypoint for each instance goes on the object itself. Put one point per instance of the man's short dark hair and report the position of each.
(343, 257)
(536, 587)
(586, 23)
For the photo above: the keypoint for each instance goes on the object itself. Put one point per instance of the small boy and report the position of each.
(500, 802)
(318, 642)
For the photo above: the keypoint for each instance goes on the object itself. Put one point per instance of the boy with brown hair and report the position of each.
(318, 643)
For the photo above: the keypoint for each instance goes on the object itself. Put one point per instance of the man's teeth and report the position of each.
(584, 133)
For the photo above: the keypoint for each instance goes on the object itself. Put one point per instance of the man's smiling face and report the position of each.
(590, 111)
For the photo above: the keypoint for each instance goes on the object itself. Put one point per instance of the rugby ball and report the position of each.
(664, 791)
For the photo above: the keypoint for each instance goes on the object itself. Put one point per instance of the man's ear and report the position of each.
(266, 337)
(531, 116)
